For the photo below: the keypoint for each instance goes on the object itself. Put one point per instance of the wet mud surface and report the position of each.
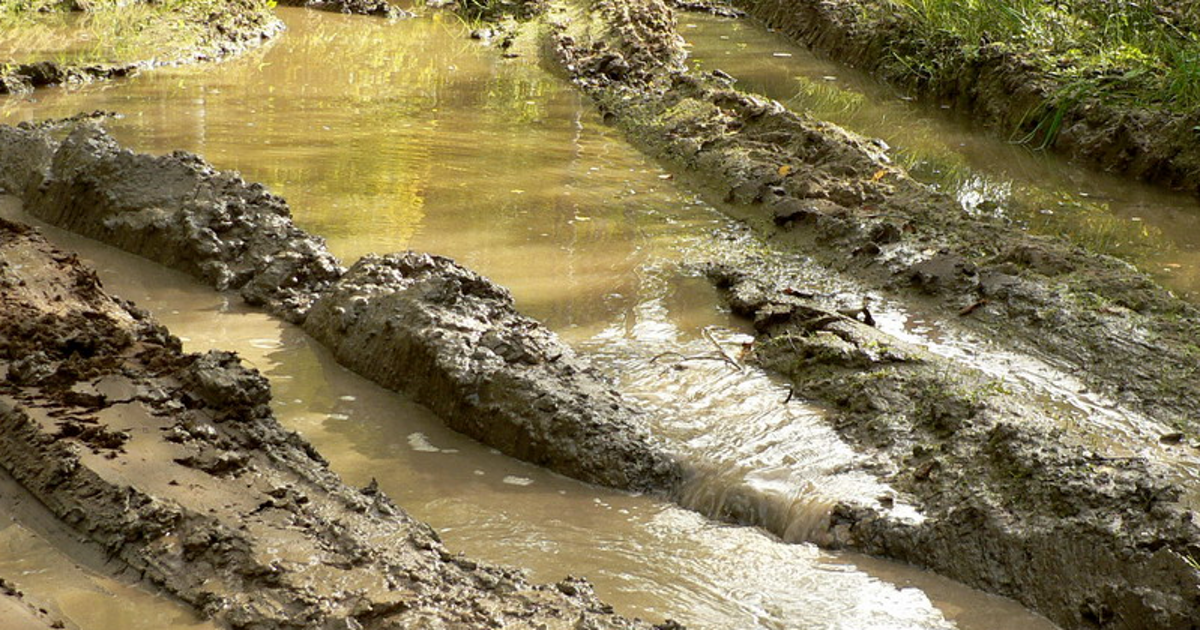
(242, 25)
(19, 614)
(246, 523)
(460, 348)
(1010, 503)
(1006, 501)
(1000, 89)
(833, 195)
(379, 8)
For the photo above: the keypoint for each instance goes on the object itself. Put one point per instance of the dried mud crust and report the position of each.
(380, 8)
(832, 195)
(240, 25)
(205, 494)
(1002, 89)
(461, 349)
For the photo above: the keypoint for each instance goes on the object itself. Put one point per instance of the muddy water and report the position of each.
(32, 557)
(1157, 230)
(431, 142)
(646, 557)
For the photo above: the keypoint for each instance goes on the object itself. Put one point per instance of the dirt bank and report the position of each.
(221, 30)
(1010, 502)
(1002, 87)
(174, 465)
(501, 378)
(462, 349)
(380, 8)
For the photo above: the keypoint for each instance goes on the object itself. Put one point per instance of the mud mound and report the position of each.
(380, 8)
(176, 210)
(1009, 503)
(208, 497)
(500, 377)
(461, 348)
(834, 195)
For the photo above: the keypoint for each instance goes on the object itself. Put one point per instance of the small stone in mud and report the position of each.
(1174, 437)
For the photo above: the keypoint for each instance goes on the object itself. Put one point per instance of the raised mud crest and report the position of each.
(173, 465)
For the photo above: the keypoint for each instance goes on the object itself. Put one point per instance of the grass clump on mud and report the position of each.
(45, 42)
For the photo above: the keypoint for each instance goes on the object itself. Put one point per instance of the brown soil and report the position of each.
(174, 465)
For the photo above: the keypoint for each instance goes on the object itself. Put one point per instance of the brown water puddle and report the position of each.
(1155, 229)
(424, 139)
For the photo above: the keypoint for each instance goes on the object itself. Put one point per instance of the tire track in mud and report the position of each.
(1011, 504)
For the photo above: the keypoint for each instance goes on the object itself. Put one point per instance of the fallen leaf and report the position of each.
(784, 170)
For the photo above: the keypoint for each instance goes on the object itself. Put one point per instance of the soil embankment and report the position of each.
(1011, 503)
(1006, 87)
(175, 467)
(222, 29)
(461, 349)
(379, 8)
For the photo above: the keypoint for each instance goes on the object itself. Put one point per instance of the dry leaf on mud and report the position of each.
(879, 174)
(784, 170)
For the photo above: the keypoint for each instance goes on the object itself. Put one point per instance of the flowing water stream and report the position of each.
(386, 136)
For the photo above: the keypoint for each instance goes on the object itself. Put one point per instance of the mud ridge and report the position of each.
(455, 342)
(1001, 90)
(1010, 503)
(174, 465)
(379, 8)
(241, 25)
(833, 195)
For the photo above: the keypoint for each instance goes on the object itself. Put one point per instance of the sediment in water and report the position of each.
(174, 465)
(234, 27)
(460, 348)
(1010, 503)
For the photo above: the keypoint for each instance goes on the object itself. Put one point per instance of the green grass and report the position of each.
(106, 31)
(1132, 51)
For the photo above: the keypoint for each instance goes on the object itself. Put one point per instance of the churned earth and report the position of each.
(175, 467)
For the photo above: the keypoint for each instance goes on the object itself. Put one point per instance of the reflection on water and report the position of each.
(1155, 229)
